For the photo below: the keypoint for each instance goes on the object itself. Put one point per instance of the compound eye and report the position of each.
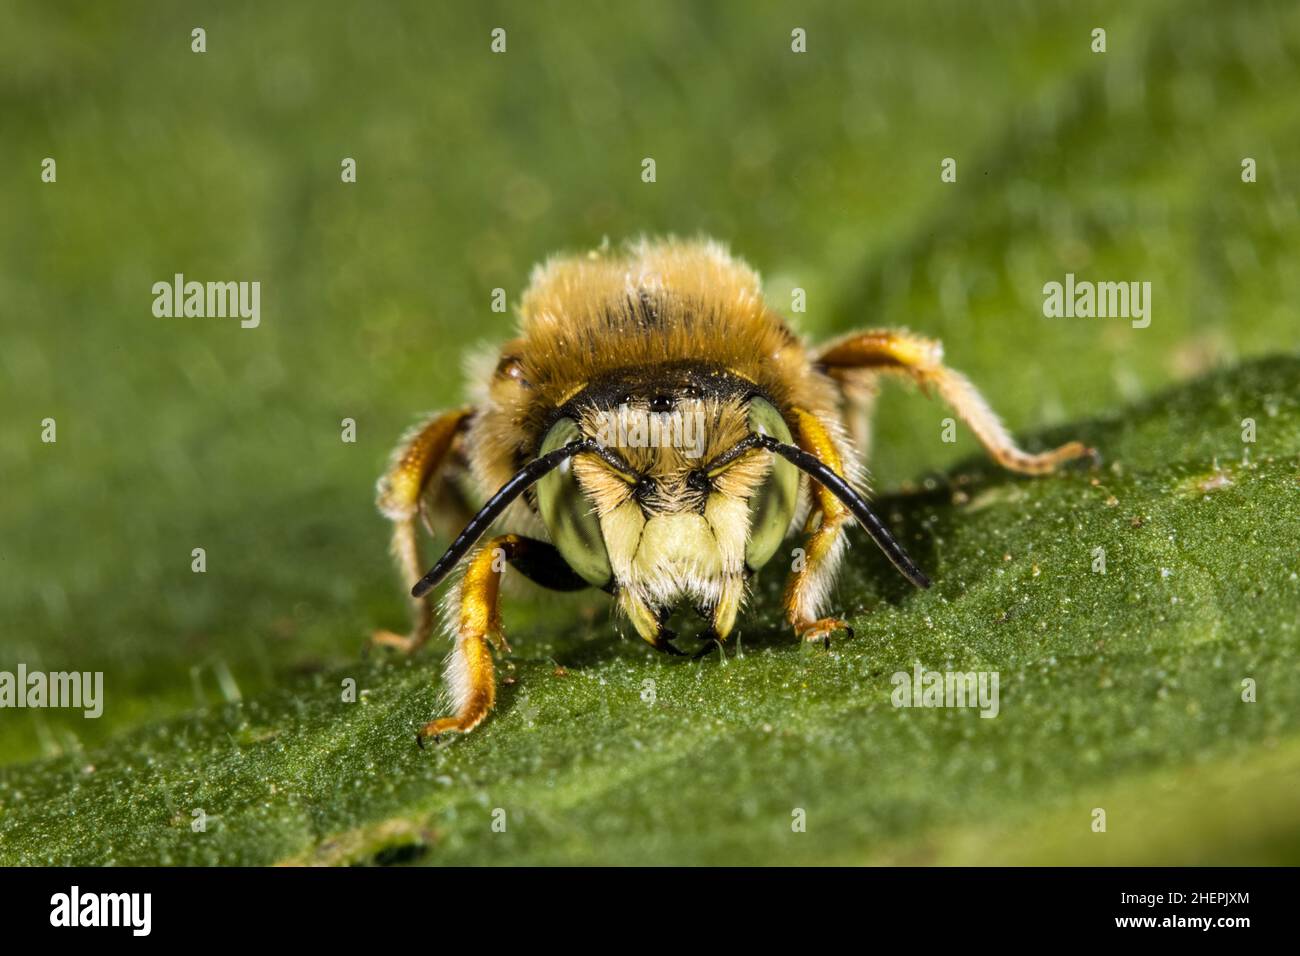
(771, 508)
(569, 515)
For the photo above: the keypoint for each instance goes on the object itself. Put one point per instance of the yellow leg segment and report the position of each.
(476, 619)
(807, 587)
(889, 350)
(419, 456)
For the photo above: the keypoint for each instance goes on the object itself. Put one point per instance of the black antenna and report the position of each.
(842, 490)
(498, 503)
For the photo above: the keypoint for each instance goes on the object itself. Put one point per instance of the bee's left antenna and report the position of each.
(842, 490)
(498, 503)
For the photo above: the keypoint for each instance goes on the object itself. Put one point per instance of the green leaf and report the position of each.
(822, 170)
(1120, 690)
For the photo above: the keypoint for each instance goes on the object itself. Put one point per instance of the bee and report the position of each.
(656, 430)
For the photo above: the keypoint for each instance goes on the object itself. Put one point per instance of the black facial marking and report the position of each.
(681, 380)
(643, 490)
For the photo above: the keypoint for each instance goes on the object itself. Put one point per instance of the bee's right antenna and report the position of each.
(512, 489)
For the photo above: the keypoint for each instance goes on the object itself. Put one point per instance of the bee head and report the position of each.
(664, 512)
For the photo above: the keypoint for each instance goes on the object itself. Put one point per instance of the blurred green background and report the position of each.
(821, 169)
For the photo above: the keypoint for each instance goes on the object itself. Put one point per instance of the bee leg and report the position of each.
(860, 390)
(474, 620)
(896, 351)
(806, 589)
(421, 454)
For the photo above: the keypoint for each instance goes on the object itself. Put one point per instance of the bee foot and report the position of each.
(821, 630)
(406, 644)
(435, 729)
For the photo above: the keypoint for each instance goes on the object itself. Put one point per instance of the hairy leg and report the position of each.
(474, 622)
(900, 352)
(809, 583)
(421, 456)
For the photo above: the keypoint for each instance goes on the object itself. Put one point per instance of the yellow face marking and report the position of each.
(728, 521)
(679, 545)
